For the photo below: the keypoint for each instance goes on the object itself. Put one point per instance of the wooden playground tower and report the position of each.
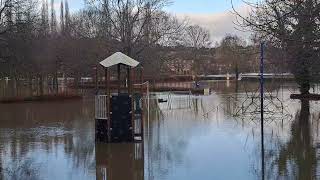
(119, 112)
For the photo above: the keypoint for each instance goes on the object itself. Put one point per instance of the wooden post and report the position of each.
(96, 79)
(141, 79)
(130, 92)
(262, 108)
(142, 104)
(129, 80)
(133, 80)
(106, 80)
(108, 93)
(119, 78)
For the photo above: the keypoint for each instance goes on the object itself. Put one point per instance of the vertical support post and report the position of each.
(142, 108)
(108, 92)
(141, 78)
(129, 82)
(133, 79)
(262, 108)
(96, 79)
(148, 109)
(132, 82)
(106, 76)
(119, 78)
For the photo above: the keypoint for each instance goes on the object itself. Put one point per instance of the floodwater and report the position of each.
(188, 137)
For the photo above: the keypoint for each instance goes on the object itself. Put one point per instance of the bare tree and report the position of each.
(196, 37)
(53, 20)
(44, 27)
(136, 24)
(62, 24)
(6, 8)
(292, 26)
(67, 18)
(232, 50)
(16, 17)
(10, 15)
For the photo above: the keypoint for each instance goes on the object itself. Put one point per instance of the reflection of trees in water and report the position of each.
(166, 154)
(28, 129)
(159, 146)
(119, 161)
(26, 169)
(169, 135)
(30, 115)
(299, 151)
(293, 157)
(23, 88)
(155, 111)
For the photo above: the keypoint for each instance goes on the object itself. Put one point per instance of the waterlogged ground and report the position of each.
(188, 137)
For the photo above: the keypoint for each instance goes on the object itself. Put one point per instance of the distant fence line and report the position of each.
(166, 78)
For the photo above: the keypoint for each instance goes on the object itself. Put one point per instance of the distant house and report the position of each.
(179, 66)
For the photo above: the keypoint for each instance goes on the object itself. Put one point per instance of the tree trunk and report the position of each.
(41, 85)
(305, 87)
(302, 75)
(14, 84)
(237, 71)
(56, 83)
(78, 81)
(30, 85)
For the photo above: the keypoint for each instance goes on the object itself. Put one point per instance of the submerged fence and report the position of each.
(101, 107)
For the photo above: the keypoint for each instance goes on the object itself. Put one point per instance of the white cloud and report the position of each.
(219, 24)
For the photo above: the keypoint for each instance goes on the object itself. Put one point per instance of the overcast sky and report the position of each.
(215, 15)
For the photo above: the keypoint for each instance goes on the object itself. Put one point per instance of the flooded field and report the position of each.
(187, 137)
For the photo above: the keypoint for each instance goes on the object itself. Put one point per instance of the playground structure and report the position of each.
(119, 112)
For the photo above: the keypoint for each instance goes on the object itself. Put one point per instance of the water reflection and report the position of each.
(291, 150)
(206, 140)
(25, 88)
(119, 161)
(298, 157)
(194, 142)
(47, 140)
(188, 137)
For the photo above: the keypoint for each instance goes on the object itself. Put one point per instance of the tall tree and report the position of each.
(128, 22)
(232, 51)
(62, 24)
(196, 37)
(105, 20)
(44, 18)
(53, 24)
(294, 27)
(17, 29)
(67, 18)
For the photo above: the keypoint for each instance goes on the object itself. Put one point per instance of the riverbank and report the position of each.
(43, 98)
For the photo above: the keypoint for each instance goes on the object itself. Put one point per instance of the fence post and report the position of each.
(262, 108)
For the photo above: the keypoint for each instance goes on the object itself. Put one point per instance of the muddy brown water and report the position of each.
(187, 137)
